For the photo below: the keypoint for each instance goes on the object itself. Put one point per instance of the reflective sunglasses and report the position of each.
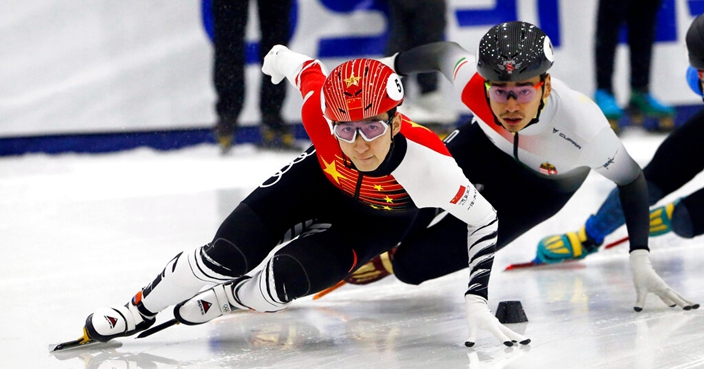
(522, 94)
(370, 130)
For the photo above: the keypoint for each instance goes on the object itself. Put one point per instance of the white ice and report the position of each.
(83, 231)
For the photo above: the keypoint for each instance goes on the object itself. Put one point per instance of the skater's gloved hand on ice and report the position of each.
(280, 63)
(647, 281)
(479, 317)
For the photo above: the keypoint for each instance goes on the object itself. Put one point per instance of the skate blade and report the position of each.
(60, 348)
(84, 342)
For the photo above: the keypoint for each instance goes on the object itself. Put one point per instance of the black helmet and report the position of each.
(695, 42)
(514, 51)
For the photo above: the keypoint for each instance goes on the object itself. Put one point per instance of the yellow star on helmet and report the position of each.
(352, 80)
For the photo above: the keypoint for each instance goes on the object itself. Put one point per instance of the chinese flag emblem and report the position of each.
(354, 103)
(459, 195)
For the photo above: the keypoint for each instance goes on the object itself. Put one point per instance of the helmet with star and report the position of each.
(360, 89)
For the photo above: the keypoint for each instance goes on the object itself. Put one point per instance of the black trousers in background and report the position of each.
(230, 23)
(415, 23)
(641, 17)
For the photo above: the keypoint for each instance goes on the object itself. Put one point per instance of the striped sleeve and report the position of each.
(481, 246)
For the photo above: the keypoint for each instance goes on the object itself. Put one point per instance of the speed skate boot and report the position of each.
(107, 323)
(568, 246)
(209, 304)
(661, 219)
(643, 105)
(378, 268)
(225, 136)
(607, 103)
(279, 139)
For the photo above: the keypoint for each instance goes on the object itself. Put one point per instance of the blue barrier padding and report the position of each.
(180, 138)
(119, 141)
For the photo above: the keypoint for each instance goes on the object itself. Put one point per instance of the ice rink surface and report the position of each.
(83, 231)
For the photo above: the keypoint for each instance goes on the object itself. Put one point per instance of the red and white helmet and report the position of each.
(359, 89)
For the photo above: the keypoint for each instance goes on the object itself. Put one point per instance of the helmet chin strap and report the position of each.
(540, 109)
(393, 138)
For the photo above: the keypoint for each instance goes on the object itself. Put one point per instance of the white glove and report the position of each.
(479, 316)
(646, 280)
(280, 63)
(389, 61)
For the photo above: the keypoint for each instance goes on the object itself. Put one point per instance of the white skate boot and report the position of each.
(107, 323)
(209, 304)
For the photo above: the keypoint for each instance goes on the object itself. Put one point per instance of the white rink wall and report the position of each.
(72, 67)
